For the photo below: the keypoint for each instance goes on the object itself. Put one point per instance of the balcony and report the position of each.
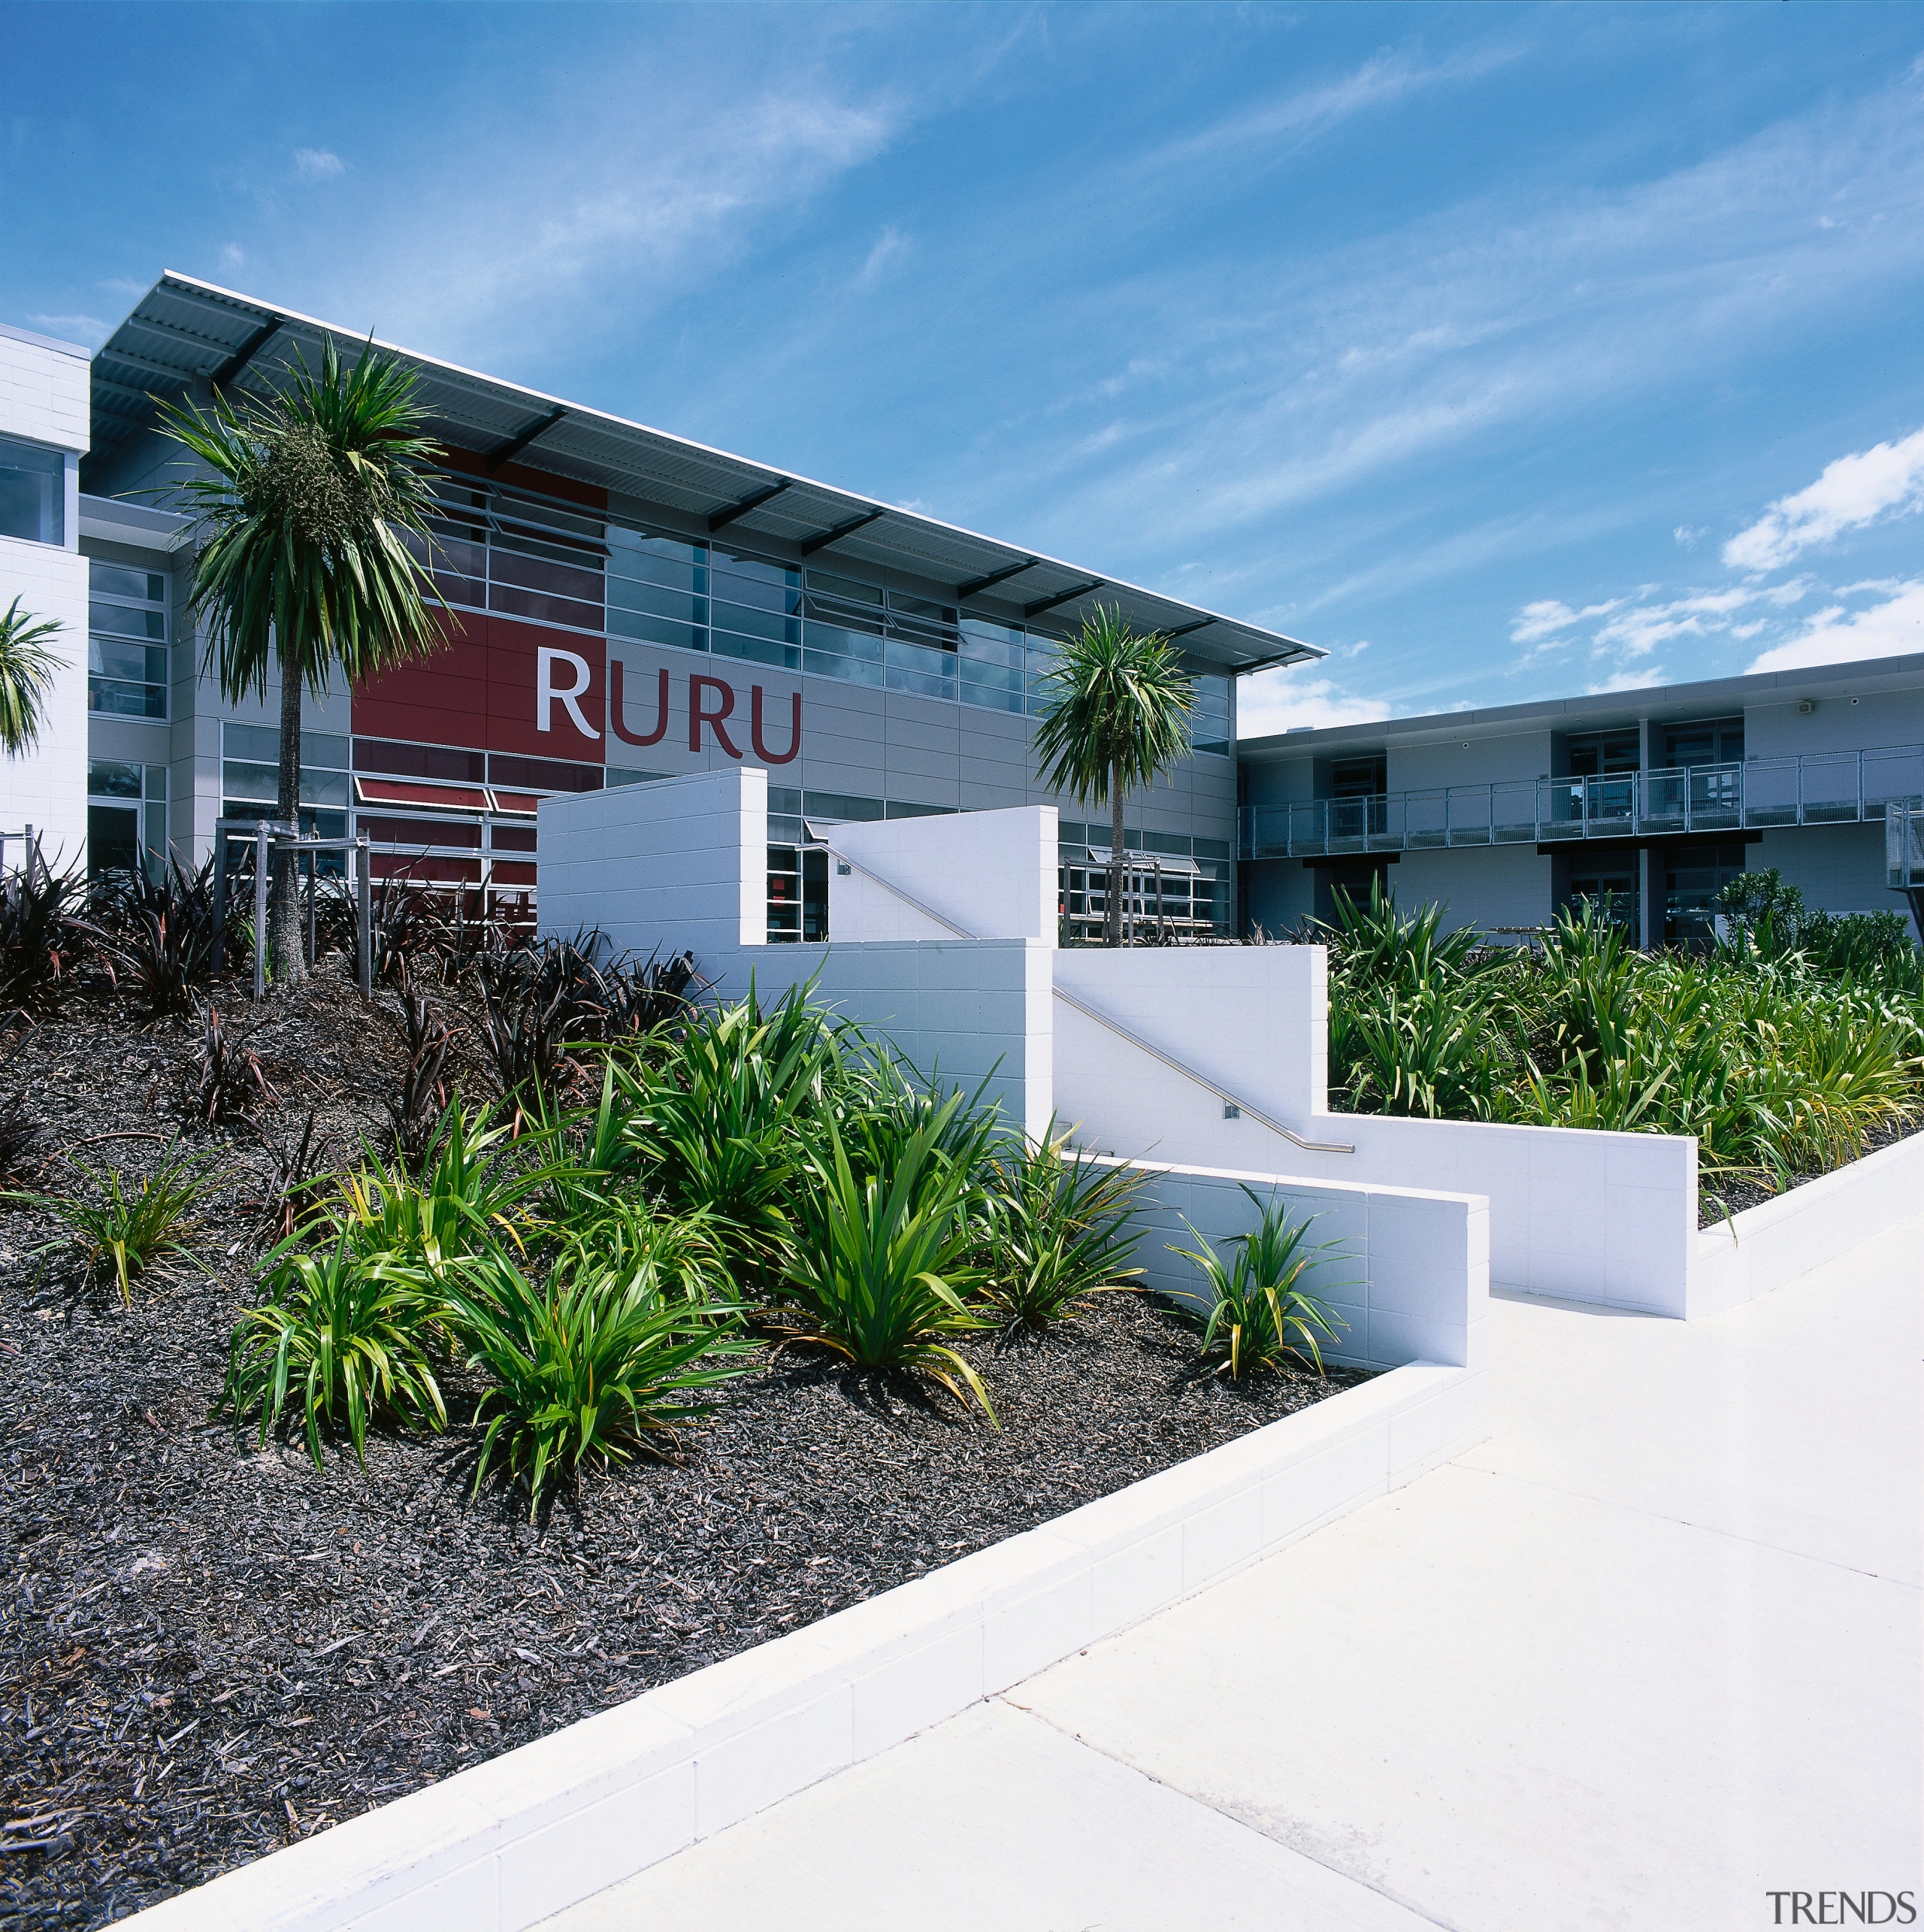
(1821, 788)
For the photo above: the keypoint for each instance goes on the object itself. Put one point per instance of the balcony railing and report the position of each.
(1903, 844)
(1816, 789)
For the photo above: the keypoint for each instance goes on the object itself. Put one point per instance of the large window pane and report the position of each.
(107, 657)
(111, 580)
(33, 492)
(107, 779)
(656, 630)
(755, 623)
(656, 601)
(125, 700)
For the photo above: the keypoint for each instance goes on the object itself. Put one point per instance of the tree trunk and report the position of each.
(1118, 867)
(286, 931)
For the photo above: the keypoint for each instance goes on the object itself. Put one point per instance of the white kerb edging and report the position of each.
(502, 1846)
(1767, 1247)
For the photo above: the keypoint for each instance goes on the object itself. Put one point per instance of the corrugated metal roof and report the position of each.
(184, 331)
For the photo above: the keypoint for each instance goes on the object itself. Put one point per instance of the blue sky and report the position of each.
(1505, 352)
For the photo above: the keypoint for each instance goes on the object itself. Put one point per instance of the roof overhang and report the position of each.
(183, 333)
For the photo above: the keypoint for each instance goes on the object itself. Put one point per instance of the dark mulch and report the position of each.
(209, 1649)
(1716, 1199)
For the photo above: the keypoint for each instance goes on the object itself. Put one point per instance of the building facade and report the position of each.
(1655, 798)
(624, 605)
(43, 438)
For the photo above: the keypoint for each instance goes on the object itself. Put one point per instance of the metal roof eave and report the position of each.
(216, 331)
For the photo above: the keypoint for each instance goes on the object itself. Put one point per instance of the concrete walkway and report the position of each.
(1648, 1655)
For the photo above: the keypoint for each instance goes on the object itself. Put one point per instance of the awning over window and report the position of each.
(422, 797)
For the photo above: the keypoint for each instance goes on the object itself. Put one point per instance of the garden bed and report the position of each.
(1716, 1204)
(211, 1649)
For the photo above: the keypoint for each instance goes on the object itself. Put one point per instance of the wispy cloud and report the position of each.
(87, 328)
(891, 246)
(318, 164)
(1885, 480)
(1383, 80)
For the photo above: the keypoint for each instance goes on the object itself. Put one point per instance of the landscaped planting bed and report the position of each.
(1793, 1046)
(211, 1648)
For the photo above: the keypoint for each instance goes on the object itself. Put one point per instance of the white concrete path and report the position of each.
(1650, 1653)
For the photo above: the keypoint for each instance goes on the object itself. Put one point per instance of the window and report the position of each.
(126, 815)
(1613, 893)
(33, 492)
(250, 777)
(1717, 741)
(1693, 876)
(1210, 726)
(1604, 754)
(126, 641)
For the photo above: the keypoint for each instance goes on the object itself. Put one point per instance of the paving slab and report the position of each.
(1647, 1654)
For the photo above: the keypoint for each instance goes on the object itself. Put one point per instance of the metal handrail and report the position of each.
(1222, 1093)
(1101, 1018)
(1798, 789)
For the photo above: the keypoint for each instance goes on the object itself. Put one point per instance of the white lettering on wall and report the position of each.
(546, 691)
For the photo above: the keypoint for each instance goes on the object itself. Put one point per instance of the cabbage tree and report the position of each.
(304, 505)
(1116, 716)
(27, 669)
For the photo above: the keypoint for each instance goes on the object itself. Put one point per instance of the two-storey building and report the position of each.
(1656, 798)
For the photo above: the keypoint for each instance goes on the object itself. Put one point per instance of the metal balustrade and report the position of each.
(1904, 844)
(1812, 789)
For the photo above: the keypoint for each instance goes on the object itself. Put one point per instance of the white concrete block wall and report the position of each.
(44, 393)
(43, 399)
(992, 874)
(1408, 1274)
(1254, 1018)
(959, 1011)
(1607, 1218)
(680, 864)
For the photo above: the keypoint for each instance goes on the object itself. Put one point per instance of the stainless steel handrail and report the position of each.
(1222, 1093)
(1101, 1018)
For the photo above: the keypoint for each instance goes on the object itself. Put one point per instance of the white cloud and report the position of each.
(1687, 538)
(1547, 617)
(1836, 635)
(892, 245)
(1884, 480)
(318, 164)
(87, 328)
(233, 255)
(1630, 680)
(1280, 699)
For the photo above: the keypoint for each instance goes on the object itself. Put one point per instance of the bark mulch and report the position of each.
(209, 1649)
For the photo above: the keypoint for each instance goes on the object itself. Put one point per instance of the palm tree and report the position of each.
(1116, 716)
(27, 668)
(302, 518)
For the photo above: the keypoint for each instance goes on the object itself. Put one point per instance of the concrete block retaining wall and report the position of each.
(1408, 1276)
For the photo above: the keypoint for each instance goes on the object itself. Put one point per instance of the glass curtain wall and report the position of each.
(522, 555)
